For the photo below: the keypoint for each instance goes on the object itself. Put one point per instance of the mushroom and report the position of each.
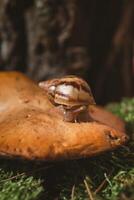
(33, 128)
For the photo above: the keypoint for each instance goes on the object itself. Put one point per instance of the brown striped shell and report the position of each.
(69, 91)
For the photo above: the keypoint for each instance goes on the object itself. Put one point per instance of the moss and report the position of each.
(125, 110)
(26, 188)
(119, 183)
(16, 184)
(109, 176)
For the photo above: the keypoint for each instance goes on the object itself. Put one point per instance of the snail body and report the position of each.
(71, 93)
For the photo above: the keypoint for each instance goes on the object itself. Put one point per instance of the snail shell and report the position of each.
(69, 91)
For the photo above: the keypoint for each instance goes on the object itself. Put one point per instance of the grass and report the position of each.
(109, 176)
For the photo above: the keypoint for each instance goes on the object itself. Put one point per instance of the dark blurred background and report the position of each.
(51, 38)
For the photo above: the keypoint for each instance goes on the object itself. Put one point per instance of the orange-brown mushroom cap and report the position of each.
(31, 127)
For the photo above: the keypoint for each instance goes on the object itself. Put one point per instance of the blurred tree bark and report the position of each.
(93, 39)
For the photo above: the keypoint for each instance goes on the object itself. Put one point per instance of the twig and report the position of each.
(13, 177)
(103, 183)
(72, 194)
(100, 186)
(21, 174)
(107, 179)
(88, 190)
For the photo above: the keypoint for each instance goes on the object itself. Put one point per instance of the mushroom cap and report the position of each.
(69, 91)
(33, 128)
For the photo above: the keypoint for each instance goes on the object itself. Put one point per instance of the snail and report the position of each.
(71, 93)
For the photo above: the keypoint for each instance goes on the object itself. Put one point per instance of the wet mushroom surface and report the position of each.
(33, 128)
